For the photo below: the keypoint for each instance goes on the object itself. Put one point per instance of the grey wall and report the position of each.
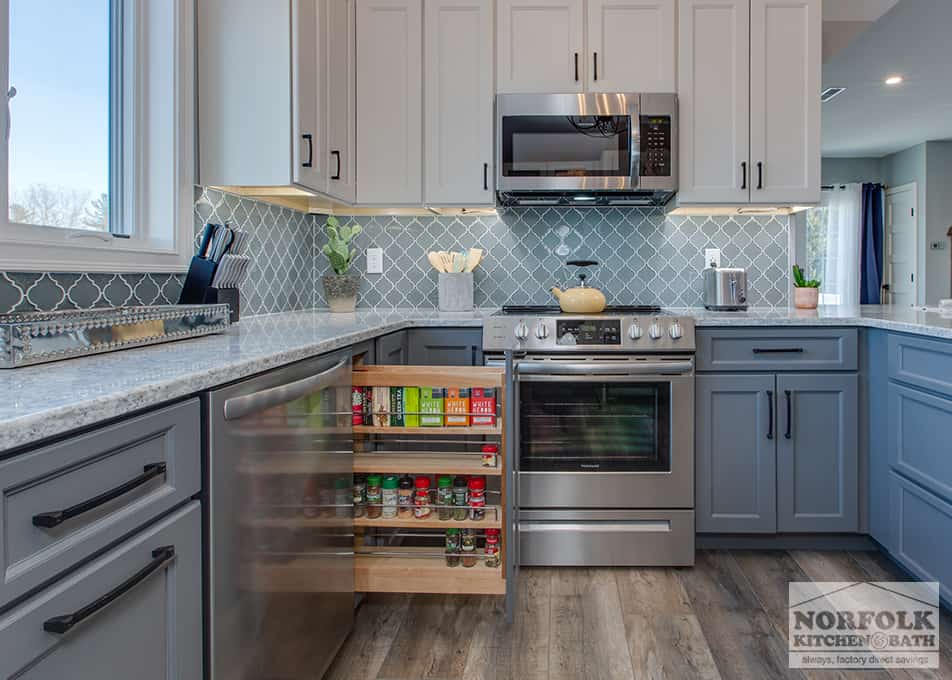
(938, 219)
(851, 170)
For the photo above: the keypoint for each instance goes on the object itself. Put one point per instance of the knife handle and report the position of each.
(206, 239)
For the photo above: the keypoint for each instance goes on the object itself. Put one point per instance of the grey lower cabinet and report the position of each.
(391, 349)
(777, 453)
(133, 612)
(446, 346)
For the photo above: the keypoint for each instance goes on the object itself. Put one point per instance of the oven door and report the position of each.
(606, 432)
(567, 142)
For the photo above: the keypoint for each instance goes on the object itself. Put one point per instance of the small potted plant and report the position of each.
(340, 288)
(806, 292)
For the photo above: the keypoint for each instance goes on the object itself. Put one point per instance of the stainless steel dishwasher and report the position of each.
(280, 579)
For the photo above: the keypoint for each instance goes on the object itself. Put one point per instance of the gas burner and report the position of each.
(550, 310)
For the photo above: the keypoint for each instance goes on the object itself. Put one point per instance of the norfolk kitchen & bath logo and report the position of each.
(864, 625)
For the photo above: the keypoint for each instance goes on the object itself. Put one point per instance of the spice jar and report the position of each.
(421, 500)
(490, 451)
(492, 547)
(452, 547)
(374, 497)
(360, 496)
(389, 496)
(468, 548)
(405, 497)
(477, 499)
(310, 499)
(460, 511)
(342, 497)
(444, 497)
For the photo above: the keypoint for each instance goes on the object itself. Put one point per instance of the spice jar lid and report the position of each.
(373, 480)
(459, 481)
(406, 482)
(390, 482)
(341, 483)
(452, 532)
(444, 482)
(492, 532)
(477, 483)
(423, 482)
(490, 448)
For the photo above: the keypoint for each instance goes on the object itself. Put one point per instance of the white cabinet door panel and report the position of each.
(390, 102)
(540, 46)
(459, 102)
(341, 100)
(632, 45)
(307, 92)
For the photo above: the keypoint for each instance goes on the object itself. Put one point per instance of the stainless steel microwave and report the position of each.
(586, 148)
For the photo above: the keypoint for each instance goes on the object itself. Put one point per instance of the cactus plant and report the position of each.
(337, 248)
(800, 281)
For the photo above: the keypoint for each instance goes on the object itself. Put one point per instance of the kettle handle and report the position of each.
(582, 263)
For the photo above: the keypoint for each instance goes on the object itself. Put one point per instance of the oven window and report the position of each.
(566, 146)
(595, 427)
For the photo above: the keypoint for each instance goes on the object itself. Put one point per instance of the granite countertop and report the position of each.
(50, 399)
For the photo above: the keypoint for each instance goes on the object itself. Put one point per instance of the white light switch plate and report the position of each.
(375, 260)
(712, 255)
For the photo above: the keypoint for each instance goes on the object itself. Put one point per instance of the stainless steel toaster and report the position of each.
(725, 289)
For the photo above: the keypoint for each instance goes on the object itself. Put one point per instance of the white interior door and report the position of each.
(540, 46)
(901, 246)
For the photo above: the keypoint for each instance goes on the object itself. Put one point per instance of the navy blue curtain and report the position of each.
(871, 263)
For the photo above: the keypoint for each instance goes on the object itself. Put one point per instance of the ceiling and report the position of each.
(911, 39)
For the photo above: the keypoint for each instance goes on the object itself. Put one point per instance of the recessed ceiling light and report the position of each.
(893, 80)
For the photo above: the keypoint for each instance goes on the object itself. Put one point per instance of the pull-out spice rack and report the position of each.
(389, 554)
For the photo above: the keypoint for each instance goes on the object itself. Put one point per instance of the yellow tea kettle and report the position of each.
(581, 299)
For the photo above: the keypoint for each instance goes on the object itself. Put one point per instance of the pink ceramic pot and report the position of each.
(806, 298)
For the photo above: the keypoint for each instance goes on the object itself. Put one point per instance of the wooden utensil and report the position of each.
(434, 259)
(473, 258)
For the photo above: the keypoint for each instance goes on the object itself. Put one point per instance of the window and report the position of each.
(831, 248)
(98, 156)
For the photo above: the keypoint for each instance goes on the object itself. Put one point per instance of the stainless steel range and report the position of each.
(603, 433)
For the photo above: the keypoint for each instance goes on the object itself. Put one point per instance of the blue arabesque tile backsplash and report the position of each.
(645, 257)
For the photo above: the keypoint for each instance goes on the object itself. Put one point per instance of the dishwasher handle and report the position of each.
(237, 408)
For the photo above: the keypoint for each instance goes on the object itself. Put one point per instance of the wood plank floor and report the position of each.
(725, 618)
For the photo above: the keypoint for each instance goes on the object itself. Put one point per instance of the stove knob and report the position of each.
(541, 331)
(675, 331)
(635, 332)
(654, 331)
(521, 331)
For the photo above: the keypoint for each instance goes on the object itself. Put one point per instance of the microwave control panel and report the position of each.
(655, 146)
(588, 332)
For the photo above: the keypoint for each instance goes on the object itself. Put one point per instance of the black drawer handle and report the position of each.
(778, 350)
(336, 154)
(62, 624)
(770, 418)
(48, 520)
(743, 170)
(760, 175)
(576, 67)
(485, 176)
(787, 435)
(310, 151)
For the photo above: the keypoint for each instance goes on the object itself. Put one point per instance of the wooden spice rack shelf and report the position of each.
(490, 522)
(400, 574)
(422, 464)
(477, 431)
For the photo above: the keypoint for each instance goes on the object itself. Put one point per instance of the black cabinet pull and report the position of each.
(743, 170)
(595, 54)
(760, 175)
(62, 624)
(310, 151)
(336, 154)
(787, 435)
(576, 67)
(485, 176)
(778, 350)
(48, 520)
(770, 414)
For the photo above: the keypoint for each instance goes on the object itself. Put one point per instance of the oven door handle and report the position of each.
(632, 526)
(633, 369)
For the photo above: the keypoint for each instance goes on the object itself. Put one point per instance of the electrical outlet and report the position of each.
(375, 260)
(712, 257)
(937, 245)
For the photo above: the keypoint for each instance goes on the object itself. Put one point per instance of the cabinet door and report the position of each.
(785, 75)
(540, 45)
(341, 91)
(390, 102)
(392, 349)
(307, 93)
(714, 98)
(818, 453)
(445, 347)
(631, 45)
(736, 454)
(459, 102)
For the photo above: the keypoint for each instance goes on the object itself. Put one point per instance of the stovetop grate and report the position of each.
(553, 309)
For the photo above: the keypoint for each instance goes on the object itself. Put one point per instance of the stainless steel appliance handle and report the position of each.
(642, 526)
(576, 369)
(239, 407)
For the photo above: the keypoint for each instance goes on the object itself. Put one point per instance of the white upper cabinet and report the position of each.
(540, 46)
(459, 102)
(631, 46)
(307, 93)
(714, 101)
(390, 102)
(785, 81)
(341, 58)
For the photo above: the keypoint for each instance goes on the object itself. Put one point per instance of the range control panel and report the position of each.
(567, 333)
(586, 332)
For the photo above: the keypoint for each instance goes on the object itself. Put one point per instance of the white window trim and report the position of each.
(163, 179)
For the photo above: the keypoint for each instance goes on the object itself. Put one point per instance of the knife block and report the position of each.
(228, 296)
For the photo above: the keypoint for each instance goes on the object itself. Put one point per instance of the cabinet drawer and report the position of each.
(777, 349)
(923, 520)
(918, 441)
(108, 482)
(150, 631)
(924, 363)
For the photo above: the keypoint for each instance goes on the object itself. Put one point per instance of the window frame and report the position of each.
(152, 172)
